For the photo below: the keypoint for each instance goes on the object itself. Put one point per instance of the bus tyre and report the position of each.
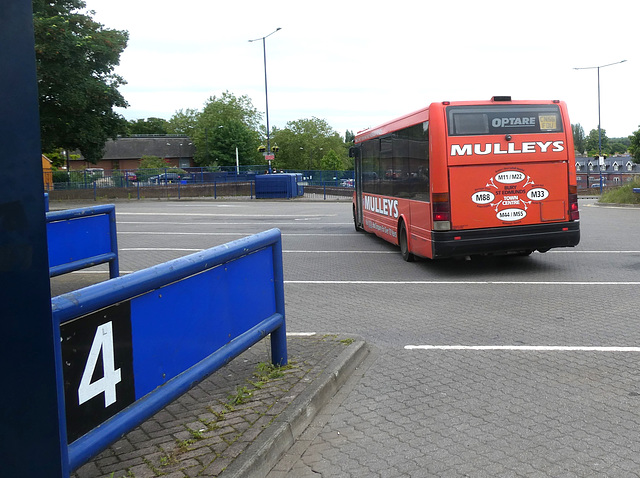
(355, 221)
(404, 244)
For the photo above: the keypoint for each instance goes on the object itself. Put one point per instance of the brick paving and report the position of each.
(209, 427)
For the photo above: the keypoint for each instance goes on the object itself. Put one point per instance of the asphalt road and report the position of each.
(519, 366)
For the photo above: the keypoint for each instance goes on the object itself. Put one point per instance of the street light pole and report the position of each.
(266, 95)
(599, 130)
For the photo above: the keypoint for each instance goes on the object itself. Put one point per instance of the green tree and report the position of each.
(349, 137)
(304, 142)
(148, 126)
(227, 123)
(634, 146)
(592, 142)
(579, 140)
(184, 122)
(58, 157)
(617, 147)
(331, 161)
(77, 87)
(153, 162)
(153, 165)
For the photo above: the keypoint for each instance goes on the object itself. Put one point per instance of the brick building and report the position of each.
(125, 153)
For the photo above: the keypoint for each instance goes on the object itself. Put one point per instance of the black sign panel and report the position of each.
(510, 119)
(97, 359)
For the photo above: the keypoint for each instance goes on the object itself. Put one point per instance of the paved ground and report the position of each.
(496, 408)
(238, 420)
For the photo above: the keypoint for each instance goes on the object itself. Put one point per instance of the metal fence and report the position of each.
(169, 183)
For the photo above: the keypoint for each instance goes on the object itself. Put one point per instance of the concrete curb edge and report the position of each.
(262, 455)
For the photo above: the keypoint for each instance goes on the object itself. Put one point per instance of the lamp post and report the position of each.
(599, 130)
(266, 96)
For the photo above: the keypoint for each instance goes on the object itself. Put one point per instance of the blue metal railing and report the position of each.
(227, 312)
(81, 238)
(142, 178)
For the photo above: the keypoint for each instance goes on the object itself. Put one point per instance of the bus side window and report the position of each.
(411, 154)
(370, 166)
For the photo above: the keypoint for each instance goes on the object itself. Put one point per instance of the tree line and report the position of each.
(594, 143)
(228, 122)
(78, 89)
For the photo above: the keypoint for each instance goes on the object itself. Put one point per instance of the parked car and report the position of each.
(131, 177)
(94, 173)
(393, 174)
(347, 183)
(104, 182)
(165, 178)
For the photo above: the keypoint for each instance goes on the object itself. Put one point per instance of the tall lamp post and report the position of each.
(600, 159)
(266, 95)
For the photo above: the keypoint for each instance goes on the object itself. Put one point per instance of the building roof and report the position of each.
(135, 147)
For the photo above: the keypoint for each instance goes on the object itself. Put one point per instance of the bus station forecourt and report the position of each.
(495, 366)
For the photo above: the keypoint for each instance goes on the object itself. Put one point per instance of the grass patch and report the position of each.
(622, 195)
(267, 371)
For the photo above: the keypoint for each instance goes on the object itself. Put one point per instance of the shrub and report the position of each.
(622, 195)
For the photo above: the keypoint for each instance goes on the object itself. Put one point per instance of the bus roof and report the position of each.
(422, 115)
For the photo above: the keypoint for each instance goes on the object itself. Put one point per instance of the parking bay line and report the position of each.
(426, 282)
(161, 249)
(242, 234)
(365, 282)
(525, 348)
(200, 214)
(315, 234)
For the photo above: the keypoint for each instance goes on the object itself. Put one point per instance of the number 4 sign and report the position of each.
(102, 342)
(98, 367)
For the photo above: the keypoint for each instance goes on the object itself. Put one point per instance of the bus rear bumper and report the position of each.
(541, 237)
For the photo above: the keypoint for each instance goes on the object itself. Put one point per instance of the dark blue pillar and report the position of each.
(31, 408)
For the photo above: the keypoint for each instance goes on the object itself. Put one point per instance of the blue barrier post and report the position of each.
(31, 404)
(279, 335)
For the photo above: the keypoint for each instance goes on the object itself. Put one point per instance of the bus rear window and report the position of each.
(503, 119)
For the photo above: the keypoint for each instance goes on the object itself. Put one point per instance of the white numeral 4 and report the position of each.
(103, 341)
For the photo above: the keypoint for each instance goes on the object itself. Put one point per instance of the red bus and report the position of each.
(469, 178)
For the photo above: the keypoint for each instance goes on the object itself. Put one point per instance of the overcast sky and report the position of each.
(357, 64)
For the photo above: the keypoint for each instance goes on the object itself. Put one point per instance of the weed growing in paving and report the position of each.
(242, 395)
(267, 371)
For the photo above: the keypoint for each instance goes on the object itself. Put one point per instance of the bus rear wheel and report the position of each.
(404, 244)
(355, 221)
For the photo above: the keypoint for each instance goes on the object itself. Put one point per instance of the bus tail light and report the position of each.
(441, 212)
(574, 213)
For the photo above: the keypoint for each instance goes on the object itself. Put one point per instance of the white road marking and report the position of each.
(364, 282)
(200, 214)
(208, 223)
(461, 282)
(287, 252)
(242, 234)
(525, 348)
